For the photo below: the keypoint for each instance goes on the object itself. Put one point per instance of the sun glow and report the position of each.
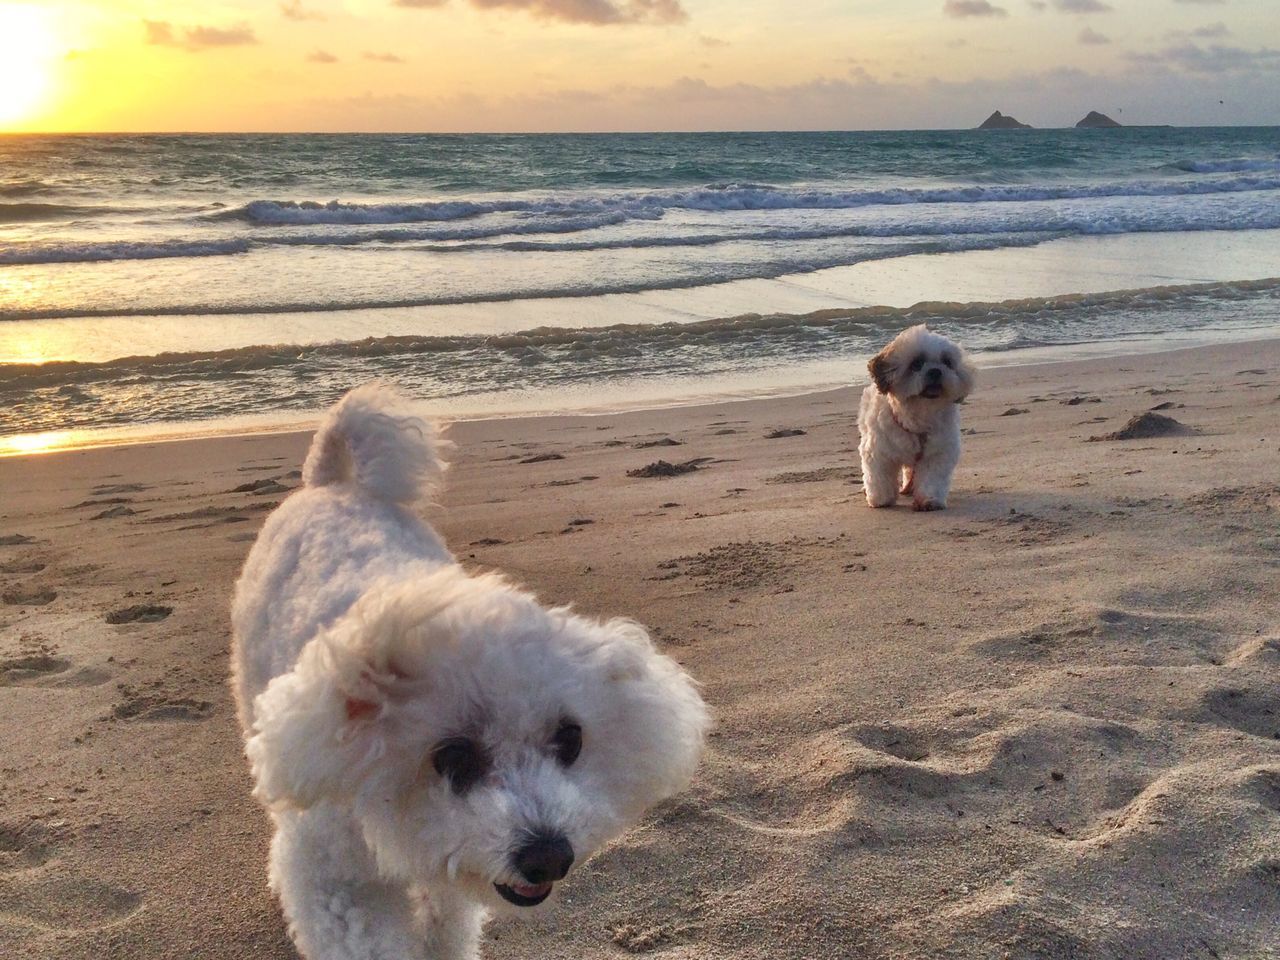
(28, 47)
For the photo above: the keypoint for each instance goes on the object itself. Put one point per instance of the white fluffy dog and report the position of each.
(430, 744)
(908, 419)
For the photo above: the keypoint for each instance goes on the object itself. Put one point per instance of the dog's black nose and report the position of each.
(546, 857)
(934, 375)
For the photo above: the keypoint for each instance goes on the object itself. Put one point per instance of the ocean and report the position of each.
(169, 284)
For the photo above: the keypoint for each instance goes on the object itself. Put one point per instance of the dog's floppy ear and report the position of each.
(658, 722)
(319, 728)
(967, 374)
(881, 371)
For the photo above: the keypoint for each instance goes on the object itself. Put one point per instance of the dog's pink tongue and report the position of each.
(534, 890)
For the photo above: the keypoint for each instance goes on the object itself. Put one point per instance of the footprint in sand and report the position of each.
(23, 846)
(113, 489)
(14, 539)
(139, 613)
(22, 566)
(64, 903)
(1267, 785)
(112, 513)
(262, 488)
(1249, 711)
(27, 667)
(28, 596)
(1255, 649)
(821, 475)
(147, 706)
(210, 516)
(895, 741)
(35, 893)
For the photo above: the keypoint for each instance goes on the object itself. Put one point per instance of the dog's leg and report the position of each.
(451, 923)
(336, 906)
(933, 478)
(880, 480)
(908, 481)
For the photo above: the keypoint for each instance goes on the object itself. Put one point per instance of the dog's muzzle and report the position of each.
(543, 860)
(932, 384)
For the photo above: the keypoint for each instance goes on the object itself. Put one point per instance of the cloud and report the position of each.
(1038, 6)
(707, 41)
(1092, 38)
(597, 12)
(1213, 59)
(1210, 31)
(199, 38)
(1203, 3)
(321, 56)
(158, 32)
(973, 8)
(163, 34)
(382, 57)
(1056, 97)
(1082, 6)
(294, 10)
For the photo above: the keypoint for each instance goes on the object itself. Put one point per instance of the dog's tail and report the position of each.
(371, 441)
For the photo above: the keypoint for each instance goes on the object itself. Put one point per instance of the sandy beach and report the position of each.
(1042, 724)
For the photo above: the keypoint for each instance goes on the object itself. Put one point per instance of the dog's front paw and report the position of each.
(927, 503)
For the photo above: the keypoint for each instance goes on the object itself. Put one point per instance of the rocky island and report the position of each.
(1094, 119)
(998, 121)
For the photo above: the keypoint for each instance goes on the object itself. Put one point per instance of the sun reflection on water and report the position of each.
(40, 442)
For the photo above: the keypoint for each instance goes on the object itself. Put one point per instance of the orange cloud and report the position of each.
(162, 34)
(598, 12)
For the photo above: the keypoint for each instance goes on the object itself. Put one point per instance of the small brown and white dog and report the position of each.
(909, 421)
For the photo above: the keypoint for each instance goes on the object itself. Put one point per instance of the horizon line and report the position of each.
(611, 133)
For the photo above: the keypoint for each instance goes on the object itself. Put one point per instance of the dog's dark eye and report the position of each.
(461, 761)
(948, 361)
(567, 742)
(917, 363)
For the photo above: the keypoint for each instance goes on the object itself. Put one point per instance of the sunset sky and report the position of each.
(516, 65)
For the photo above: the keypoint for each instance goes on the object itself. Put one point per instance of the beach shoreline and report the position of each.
(800, 382)
(1041, 723)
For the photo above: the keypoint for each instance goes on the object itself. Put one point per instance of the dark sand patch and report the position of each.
(661, 468)
(111, 489)
(101, 502)
(139, 613)
(1148, 426)
(112, 513)
(819, 475)
(664, 442)
(262, 488)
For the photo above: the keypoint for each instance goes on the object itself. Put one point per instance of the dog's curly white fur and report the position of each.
(431, 745)
(909, 422)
